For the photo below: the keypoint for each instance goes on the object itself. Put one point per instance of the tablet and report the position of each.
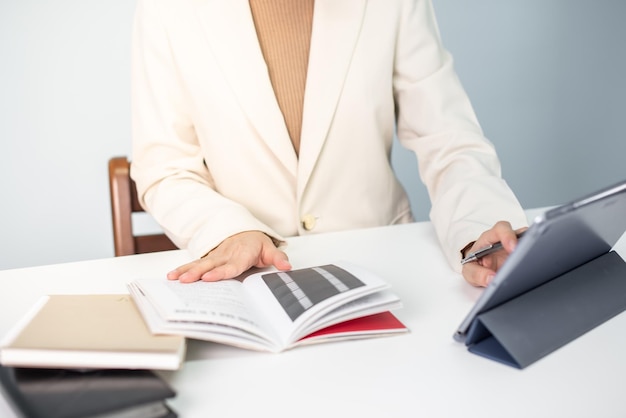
(557, 241)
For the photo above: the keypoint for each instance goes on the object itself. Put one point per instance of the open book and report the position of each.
(272, 311)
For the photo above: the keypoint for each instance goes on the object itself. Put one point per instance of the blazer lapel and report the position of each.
(336, 28)
(232, 38)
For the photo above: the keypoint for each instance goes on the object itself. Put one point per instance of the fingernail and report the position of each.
(489, 278)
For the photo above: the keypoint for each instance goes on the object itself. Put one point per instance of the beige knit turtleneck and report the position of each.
(284, 31)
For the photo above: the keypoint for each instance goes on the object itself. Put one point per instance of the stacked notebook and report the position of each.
(61, 393)
(87, 356)
(89, 331)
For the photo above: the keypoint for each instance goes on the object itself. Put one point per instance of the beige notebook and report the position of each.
(89, 331)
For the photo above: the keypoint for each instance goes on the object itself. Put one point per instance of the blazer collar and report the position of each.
(230, 31)
(336, 28)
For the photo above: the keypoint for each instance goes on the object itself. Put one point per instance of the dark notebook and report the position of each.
(60, 393)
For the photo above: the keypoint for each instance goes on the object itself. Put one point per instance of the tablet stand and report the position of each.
(534, 324)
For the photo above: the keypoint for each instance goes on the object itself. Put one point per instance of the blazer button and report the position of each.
(308, 222)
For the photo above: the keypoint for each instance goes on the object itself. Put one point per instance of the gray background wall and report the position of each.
(545, 77)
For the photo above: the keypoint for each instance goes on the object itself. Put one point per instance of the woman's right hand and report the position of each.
(232, 257)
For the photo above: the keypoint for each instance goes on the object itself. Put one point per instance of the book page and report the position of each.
(370, 304)
(219, 303)
(293, 301)
(198, 330)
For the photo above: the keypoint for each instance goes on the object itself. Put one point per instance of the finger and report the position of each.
(196, 271)
(281, 261)
(498, 231)
(272, 256)
(501, 232)
(173, 275)
(506, 235)
(493, 261)
(178, 271)
(223, 272)
(509, 243)
(192, 272)
(477, 275)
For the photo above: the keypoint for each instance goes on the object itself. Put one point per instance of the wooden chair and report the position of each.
(124, 203)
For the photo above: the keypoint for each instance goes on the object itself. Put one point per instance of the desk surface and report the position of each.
(423, 373)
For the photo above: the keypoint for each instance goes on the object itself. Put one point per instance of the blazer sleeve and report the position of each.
(174, 184)
(458, 165)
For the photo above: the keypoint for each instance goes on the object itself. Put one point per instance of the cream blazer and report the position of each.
(212, 156)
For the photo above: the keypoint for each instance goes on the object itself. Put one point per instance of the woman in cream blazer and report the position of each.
(212, 156)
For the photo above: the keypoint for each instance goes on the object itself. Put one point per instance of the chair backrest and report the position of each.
(124, 203)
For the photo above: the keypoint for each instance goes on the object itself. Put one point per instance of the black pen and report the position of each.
(485, 251)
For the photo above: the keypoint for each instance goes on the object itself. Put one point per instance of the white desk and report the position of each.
(422, 374)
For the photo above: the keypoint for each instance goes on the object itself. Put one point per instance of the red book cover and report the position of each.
(384, 323)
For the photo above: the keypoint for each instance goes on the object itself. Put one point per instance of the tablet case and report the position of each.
(523, 330)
